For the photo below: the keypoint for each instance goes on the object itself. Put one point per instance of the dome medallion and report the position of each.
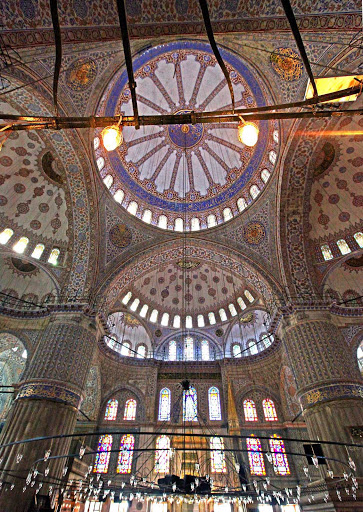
(188, 173)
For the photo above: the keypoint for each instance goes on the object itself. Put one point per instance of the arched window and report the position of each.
(255, 457)
(211, 221)
(218, 461)
(227, 214)
(249, 409)
(141, 352)
(130, 409)
(241, 204)
(135, 304)
(343, 246)
(205, 350)
(162, 454)
(124, 461)
(179, 224)
(269, 410)
(214, 404)
(100, 163)
(172, 350)
(232, 309)
(360, 356)
(190, 405)
(249, 296)
(176, 322)
(241, 303)
(236, 350)
(144, 310)
(222, 315)
(265, 175)
(272, 156)
(119, 196)
(164, 405)
(111, 410)
(53, 257)
(6, 235)
(154, 315)
(125, 348)
(279, 459)
(21, 244)
(188, 321)
(147, 216)
(165, 319)
(267, 339)
(254, 191)
(38, 251)
(252, 345)
(326, 252)
(127, 298)
(103, 454)
(188, 349)
(133, 207)
(211, 318)
(359, 239)
(195, 224)
(163, 222)
(108, 180)
(200, 321)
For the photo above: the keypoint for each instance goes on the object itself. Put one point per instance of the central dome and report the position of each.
(185, 177)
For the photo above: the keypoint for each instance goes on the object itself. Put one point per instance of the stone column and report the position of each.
(330, 388)
(47, 404)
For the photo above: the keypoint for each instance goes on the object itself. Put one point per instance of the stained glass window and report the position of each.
(188, 349)
(205, 350)
(236, 350)
(279, 459)
(214, 404)
(111, 410)
(103, 454)
(162, 454)
(359, 239)
(172, 350)
(130, 409)
(6, 235)
(124, 461)
(53, 257)
(343, 246)
(326, 252)
(249, 408)
(164, 405)
(21, 245)
(218, 461)
(269, 410)
(255, 457)
(190, 405)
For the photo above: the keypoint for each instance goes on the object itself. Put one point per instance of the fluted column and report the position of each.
(47, 403)
(329, 384)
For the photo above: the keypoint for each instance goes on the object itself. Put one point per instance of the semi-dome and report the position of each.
(186, 177)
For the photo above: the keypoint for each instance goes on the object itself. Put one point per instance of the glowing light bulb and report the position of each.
(112, 137)
(248, 133)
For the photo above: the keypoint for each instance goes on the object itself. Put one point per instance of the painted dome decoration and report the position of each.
(186, 177)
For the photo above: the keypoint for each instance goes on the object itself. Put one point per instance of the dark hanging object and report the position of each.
(58, 51)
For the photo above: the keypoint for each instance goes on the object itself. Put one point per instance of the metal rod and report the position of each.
(61, 123)
(128, 59)
(296, 32)
(58, 50)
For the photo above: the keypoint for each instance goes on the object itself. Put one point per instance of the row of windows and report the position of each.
(218, 461)
(342, 246)
(190, 407)
(22, 244)
(253, 346)
(189, 351)
(125, 348)
(162, 220)
(176, 323)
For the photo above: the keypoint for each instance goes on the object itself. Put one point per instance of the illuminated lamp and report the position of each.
(112, 136)
(247, 133)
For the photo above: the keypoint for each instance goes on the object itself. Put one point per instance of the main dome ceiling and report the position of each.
(186, 171)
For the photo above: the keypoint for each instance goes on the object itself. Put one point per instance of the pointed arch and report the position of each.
(164, 405)
(269, 410)
(249, 409)
(214, 403)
